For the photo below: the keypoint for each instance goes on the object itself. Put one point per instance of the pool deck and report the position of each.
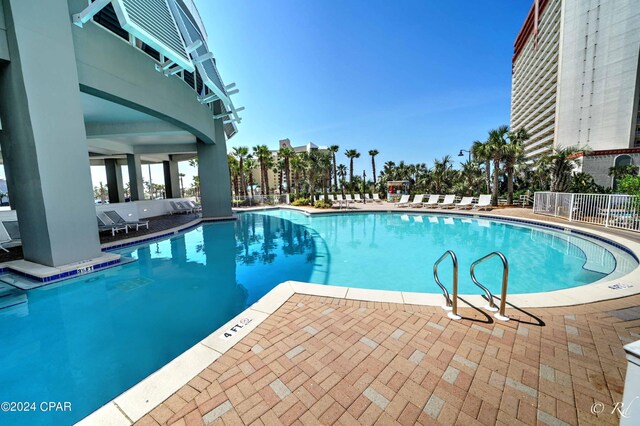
(320, 360)
(352, 359)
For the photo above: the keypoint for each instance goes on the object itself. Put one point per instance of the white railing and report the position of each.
(610, 210)
(259, 200)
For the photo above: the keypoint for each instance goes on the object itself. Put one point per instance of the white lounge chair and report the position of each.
(104, 226)
(356, 198)
(432, 201)
(465, 203)
(348, 199)
(178, 208)
(417, 201)
(484, 202)
(119, 220)
(9, 234)
(366, 197)
(376, 198)
(404, 201)
(447, 202)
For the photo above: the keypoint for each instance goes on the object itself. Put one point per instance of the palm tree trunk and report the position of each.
(373, 166)
(509, 176)
(335, 173)
(351, 175)
(487, 175)
(494, 194)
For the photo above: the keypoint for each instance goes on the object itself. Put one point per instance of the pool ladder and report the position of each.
(451, 302)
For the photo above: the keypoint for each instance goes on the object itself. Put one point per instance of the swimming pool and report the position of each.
(88, 339)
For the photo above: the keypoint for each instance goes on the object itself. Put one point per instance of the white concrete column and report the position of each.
(630, 409)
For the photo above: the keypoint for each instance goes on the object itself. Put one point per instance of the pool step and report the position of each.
(10, 296)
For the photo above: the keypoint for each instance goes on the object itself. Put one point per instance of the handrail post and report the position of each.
(451, 304)
(500, 315)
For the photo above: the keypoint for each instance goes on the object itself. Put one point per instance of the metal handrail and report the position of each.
(505, 280)
(451, 303)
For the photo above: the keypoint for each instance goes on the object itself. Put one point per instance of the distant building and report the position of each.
(575, 81)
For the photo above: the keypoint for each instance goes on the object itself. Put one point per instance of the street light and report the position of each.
(460, 154)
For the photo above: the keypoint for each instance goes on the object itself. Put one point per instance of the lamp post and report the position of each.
(460, 154)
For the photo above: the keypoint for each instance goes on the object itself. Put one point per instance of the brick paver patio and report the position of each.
(332, 361)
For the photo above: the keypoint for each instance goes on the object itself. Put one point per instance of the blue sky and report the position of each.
(414, 79)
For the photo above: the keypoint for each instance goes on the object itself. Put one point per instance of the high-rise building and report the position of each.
(576, 81)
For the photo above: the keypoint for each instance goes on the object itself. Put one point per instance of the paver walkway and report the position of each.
(332, 361)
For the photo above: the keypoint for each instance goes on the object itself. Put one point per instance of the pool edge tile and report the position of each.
(107, 415)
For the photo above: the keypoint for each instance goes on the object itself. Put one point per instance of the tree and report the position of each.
(513, 153)
(264, 156)
(333, 149)
(583, 183)
(296, 167)
(373, 154)
(497, 142)
(471, 175)
(286, 154)
(240, 152)
(181, 175)
(324, 164)
(234, 170)
(482, 154)
(351, 154)
(561, 163)
(249, 166)
(620, 172)
(342, 172)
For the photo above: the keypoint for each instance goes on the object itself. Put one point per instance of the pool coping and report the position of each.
(137, 401)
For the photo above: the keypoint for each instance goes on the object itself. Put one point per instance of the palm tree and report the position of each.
(241, 152)
(470, 174)
(181, 175)
(513, 154)
(342, 172)
(373, 154)
(296, 167)
(440, 174)
(324, 164)
(333, 149)
(351, 154)
(249, 165)
(482, 154)
(286, 153)
(497, 142)
(234, 168)
(562, 163)
(264, 156)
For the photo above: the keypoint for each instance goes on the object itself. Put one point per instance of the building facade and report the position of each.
(576, 80)
(110, 82)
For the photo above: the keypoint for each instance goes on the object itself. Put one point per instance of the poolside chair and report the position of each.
(357, 198)
(366, 197)
(404, 201)
(417, 201)
(184, 205)
(119, 220)
(178, 208)
(432, 202)
(376, 198)
(195, 207)
(9, 234)
(321, 197)
(447, 202)
(465, 203)
(104, 226)
(348, 199)
(484, 202)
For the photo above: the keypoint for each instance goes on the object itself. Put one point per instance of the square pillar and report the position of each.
(213, 170)
(171, 179)
(114, 181)
(43, 136)
(136, 183)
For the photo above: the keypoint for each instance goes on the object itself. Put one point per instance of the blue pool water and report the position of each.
(87, 340)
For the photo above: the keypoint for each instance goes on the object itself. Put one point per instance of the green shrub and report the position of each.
(301, 202)
(629, 185)
(322, 205)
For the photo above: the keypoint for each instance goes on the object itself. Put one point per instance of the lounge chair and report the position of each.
(417, 201)
(185, 205)
(356, 198)
(348, 199)
(103, 226)
(193, 205)
(376, 198)
(404, 201)
(366, 197)
(9, 234)
(447, 202)
(432, 202)
(178, 208)
(119, 220)
(465, 203)
(484, 202)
